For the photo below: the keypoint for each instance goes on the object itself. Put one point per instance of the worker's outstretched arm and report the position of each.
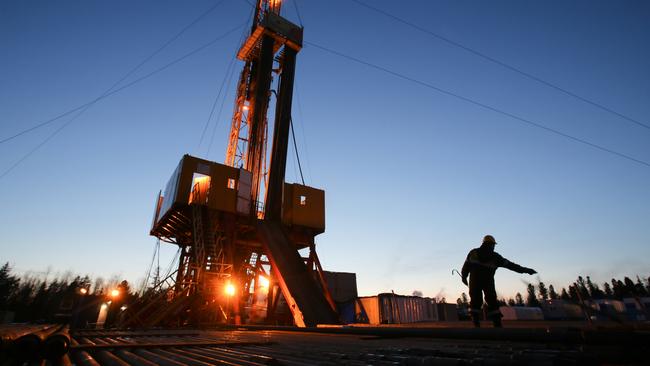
(517, 268)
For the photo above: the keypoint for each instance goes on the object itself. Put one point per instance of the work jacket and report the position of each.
(482, 263)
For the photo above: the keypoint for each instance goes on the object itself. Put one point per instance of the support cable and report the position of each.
(502, 64)
(477, 103)
(173, 264)
(295, 147)
(81, 107)
(295, 5)
(250, 3)
(223, 101)
(216, 99)
(227, 76)
(145, 281)
(302, 130)
(133, 70)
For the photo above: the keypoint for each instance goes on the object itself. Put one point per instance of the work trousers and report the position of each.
(479, 285)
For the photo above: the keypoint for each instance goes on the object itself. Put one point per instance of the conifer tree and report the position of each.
(574, 294)
(519, 301)
(531, 298)
(618, 288)
(581, 286)
(608, 290)
(8, 286)
(564, 295)
(594, 290)
(640, 289)
(630, 289)
(543, 291)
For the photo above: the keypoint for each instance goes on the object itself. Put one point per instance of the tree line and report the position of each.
(33, 298)
(580, 290)
(37, 299)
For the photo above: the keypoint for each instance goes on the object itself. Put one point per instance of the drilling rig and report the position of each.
(238, 226)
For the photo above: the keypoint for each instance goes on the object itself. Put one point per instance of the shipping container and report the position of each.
(346, 311)
(521, 313)
(609, 305)
(561, 310)
(636, 308)
(342, 285)
(608, 309)
(390, 308)
(447, 312)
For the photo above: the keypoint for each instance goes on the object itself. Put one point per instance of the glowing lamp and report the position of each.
(264, 282)
(83, 291)
(115, 293)
(230, 289)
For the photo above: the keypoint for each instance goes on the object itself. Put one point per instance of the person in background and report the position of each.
(480, 266)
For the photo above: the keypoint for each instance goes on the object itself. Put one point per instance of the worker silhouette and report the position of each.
(480, 265)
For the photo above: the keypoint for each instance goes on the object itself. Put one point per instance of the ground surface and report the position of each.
(451, 343)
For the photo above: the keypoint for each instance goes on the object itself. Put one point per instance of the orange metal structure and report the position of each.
(239, 226)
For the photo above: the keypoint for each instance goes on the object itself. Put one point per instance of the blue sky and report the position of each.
(413, 177)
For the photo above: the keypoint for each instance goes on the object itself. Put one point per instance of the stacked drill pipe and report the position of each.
(56, 344)
(35, 342)
(11, 333)
(358, 347)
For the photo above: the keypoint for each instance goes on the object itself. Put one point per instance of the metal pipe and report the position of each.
(181, 358)
(284, 357)
(108, 359)
(240, 358)
(15, 331)
(134, 359)
(57, 344)
(28, 346)
(157, 358)
(63, 361)
(83, 358)
(212, 358)
(98, 341)
(169, 344)
(130, 333)
(86, 341)
(570, 335)
(195, 355)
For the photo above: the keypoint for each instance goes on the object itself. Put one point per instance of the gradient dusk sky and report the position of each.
(413, 177)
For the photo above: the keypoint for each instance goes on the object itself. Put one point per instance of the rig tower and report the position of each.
(239, 227)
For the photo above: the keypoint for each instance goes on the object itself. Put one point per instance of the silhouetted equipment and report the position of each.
(239, 226)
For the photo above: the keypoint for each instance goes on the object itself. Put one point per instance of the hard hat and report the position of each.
(489, 239)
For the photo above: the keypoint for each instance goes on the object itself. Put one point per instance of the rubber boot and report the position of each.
(476, 321)
(496, 321)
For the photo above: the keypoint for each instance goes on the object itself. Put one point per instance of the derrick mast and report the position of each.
(249, 130)
(240, 225)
